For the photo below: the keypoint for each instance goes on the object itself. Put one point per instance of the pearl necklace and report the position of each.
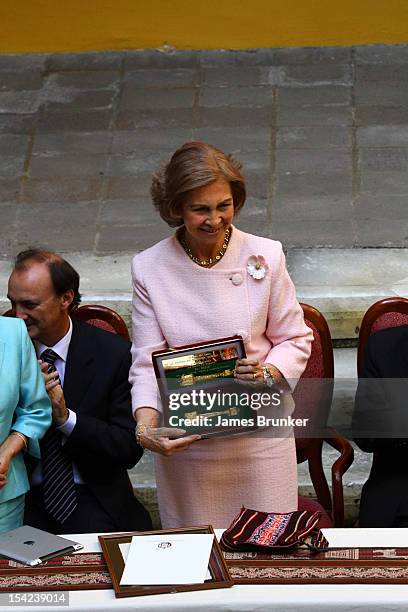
(211, 260)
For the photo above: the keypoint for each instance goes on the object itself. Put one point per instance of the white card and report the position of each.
(357, 537)
(167, 559)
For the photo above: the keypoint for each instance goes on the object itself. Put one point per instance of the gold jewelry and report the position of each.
(211, 260)
(21, 436)
(254, 376)
(141, 429)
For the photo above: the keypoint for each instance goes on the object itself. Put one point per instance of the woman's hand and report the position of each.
(163, 440)
(11, 446)
(251, 371)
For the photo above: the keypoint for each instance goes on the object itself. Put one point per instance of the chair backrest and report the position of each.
(103, 317)
(388, 312)
(314, 392)
(100, 316)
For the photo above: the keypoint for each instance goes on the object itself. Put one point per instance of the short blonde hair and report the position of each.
(193, 165)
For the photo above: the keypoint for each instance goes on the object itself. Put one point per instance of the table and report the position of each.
(260, 598)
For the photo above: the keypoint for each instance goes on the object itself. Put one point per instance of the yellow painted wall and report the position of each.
(83, 25)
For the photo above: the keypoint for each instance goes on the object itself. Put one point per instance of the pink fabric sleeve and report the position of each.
(286, 328)
(146, 338)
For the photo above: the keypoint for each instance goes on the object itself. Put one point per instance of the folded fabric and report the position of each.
(255, 531)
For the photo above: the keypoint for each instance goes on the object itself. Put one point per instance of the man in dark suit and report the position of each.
(81, 483)
(380, 426)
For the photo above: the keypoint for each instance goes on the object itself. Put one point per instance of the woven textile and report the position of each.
(253, 530)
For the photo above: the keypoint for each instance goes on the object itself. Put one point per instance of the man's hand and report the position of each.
(56, 394)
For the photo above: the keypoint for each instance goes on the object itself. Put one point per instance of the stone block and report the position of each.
(259, 225)
(13, 144)
(86, 120)
(71, 143)
(306, 161)
(127, 187)
(310, 75)
(8, 212)
(382, 72)
(19, 102)
(9, 190)
(381, 207)
(159, 77)
(130, 238)
(8, 233)
(231, 116)
(102, 60)
(383, 159)
(144, 138)
(381, 115)
(11, 165)
(155, 118)
(383, 136)
(316, 207)
(22, 62)
(167, 99)
(257, 160)
(312, 55)
(386, 93)
(20, 81)
(86, 79)
(332, 95)
(51, 189)
(381, 54)
(160, 59)
(313, 137)
(79, 101)
(254, 208)
(235, 141)
(11, 123)
(236, 97)
(136, 164)
(319, 114)
(73, 232)
(68, 165)
(384, 183)
(378, 233)
(258, 183)
(233, 76)
(317, 184)
(314, 233)
(137, 210)
(247, 57)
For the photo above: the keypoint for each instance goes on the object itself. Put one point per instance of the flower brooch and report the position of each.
(257, 266)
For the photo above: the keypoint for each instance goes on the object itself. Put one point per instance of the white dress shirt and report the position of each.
(61, 349)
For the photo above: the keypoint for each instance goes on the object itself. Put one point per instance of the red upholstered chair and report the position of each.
(102, 317)
(388, 312)
(313, 400)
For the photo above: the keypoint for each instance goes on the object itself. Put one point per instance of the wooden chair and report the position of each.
(313, 400)
(388, 312)
(102, 317)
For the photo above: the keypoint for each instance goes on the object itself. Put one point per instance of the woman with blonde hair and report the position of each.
(25, 412)
(207, 281)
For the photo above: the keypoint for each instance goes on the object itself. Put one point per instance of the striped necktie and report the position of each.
(60, 497)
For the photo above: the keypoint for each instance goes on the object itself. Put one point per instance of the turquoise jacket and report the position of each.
(24, 403)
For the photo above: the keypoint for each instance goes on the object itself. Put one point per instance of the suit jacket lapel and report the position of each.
(80, 367)
(401, 354)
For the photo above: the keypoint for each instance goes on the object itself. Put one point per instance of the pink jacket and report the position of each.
(177, 302)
